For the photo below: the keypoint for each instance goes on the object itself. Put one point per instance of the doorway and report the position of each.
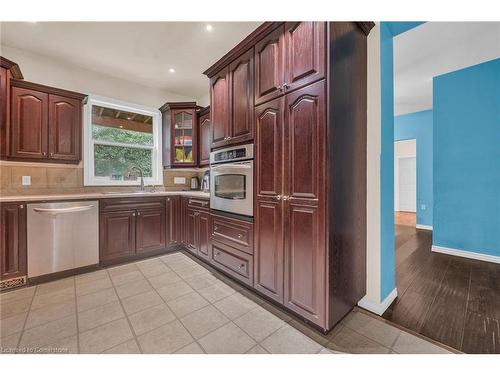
(405, 182)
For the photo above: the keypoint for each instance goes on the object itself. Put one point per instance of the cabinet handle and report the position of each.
(21, 206)
(240, 235)
(285, 86)
(44, 153)
(133, 214)
(280, 88)
(51, 154)
(242, 265)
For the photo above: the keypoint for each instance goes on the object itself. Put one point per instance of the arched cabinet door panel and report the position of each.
(29, 123)
(64, 128)
(219, 108)
(269, 66)
(305, 56)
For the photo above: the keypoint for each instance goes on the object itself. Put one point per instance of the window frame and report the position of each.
(88, 146)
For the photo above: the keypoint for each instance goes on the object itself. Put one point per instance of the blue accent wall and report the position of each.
(387, 261)
(418, 125)
(466, 111)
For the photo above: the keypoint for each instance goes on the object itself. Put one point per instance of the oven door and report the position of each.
(231, 187)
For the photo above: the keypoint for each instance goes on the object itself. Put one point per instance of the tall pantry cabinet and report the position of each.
(309, 126)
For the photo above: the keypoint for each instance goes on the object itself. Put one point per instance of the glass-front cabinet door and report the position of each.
(180, 134)
(183, 136)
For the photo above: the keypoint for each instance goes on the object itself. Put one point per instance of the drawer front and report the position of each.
(118, 204)
(232, 261)
(198, 203)
(235, 233)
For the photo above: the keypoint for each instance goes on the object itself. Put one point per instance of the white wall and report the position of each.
(372, 297)
(204, 100)
(48, 71)
(407, 148)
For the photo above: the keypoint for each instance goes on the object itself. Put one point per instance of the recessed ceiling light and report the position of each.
(171, 70)
(209, 27)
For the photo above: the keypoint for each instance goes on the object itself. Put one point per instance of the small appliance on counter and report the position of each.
(205, 183)
(195, 184)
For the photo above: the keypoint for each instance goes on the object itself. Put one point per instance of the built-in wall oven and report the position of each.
(231, 180)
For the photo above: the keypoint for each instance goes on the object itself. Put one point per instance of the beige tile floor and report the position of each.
(172, 304)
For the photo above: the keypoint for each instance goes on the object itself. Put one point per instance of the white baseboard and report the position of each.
(466, 254)
(425, 227)
(378, 308)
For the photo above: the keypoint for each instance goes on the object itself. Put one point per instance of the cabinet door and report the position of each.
(268, 220)
(305, 251)
(29, 124)
(219, 107)
(241, 78)
(190, 230)
(171, 220)
(150, 230)
(203, 235)
(204, 140)
(269, 66)
(12, 240)
(305, 57)
(65, 127)
(184, 148)
(117, 234)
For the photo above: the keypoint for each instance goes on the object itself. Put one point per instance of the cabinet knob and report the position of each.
(133, 214)
(216, 227)
(21, 206)
(44, 153)
(168, 199)
(285, 86)
(217, 254)
(242, 265)
(240, 235)
(51, 154)
(278, 197)
(138, 214)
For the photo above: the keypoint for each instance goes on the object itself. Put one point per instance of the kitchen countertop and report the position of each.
(62, 197)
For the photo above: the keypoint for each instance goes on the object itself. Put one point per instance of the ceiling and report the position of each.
(141, 52)
(435, 48)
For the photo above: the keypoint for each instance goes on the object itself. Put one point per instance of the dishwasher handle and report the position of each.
(63, 210)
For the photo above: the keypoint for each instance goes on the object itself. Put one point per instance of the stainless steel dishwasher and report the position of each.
(62, 236)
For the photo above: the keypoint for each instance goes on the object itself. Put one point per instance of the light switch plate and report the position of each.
(26, 180)
(180, 180)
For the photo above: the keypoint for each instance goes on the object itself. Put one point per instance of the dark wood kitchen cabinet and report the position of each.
(269, 66)
(268, 210)
(196, 221)
(117, 234)
(45, 123)
(309, 203)
(13, 251)
(173, 222)
(180, 134)
(232, 102)
(150, 229)
(204, 137)
(131, 227)
(8, 70)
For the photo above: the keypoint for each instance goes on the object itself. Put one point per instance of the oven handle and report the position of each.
(242, 165)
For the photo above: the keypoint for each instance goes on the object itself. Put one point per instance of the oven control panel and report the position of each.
(236, 153)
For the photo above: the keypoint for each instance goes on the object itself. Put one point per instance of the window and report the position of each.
(117, 137)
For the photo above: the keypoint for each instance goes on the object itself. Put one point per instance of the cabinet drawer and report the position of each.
(198, 203)
(118, 204)
(232, 261)
(232, 232)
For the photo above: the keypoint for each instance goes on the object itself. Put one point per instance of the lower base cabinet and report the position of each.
(13, 250)
(196, 220)
(131, 227)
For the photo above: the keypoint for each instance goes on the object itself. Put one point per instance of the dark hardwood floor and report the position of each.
(450, 299)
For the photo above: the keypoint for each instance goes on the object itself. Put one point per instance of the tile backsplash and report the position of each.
(57, 179)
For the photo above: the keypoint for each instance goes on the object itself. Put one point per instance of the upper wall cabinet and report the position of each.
(180, 134)
(45, 124)
(232, 102)
(8, 71)
(204, 137)
(269, 67)
(305, 58)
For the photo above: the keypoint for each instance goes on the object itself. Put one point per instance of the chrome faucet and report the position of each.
(141, 173)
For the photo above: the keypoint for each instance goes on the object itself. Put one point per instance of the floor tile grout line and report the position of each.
(361, 334)
(466, 308)
(173, 312)
(26, 318)
(126, 317)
